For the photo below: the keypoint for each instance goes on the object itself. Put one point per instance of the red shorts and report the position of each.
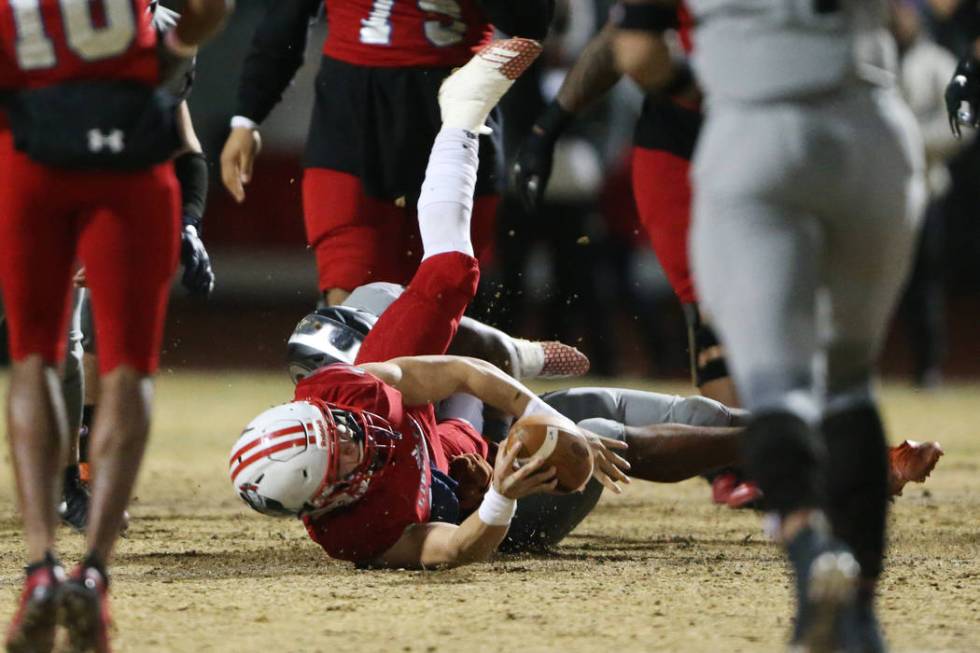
(360, 239)
(123, 226)
(424, 319)
(663, 200)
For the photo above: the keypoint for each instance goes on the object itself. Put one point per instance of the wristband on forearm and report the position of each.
(553, 121)
(191, 169)
(645, 16)
(496, 509)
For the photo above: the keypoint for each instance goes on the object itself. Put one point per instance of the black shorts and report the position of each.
(378, 124)
(667, 126)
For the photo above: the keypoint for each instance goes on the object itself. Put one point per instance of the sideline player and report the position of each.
(374, 119)
(808, 190)
(89, 177)
(191, 170)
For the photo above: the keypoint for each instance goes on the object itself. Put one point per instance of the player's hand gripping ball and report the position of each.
(559, 444)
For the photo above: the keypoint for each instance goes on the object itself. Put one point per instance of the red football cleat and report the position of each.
(744, 495)
(911, 461)
(561, 360)
(33, 627)
(85, 611)
(722, 487)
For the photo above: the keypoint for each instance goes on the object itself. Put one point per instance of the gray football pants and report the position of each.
(545, 519)
(804, 221)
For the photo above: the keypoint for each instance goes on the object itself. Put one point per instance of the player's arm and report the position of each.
(191, 168)
(447, 545)
(591, 77)
(429, 379)
(640, 50)
(275, 55)
(201, 19)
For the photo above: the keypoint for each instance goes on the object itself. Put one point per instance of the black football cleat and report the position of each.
(33, 627)
(73, 510)
(826, 588)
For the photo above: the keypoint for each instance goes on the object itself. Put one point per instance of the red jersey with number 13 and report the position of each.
(405, 33)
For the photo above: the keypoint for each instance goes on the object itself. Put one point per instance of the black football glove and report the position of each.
(532, 166)
(964, 88)
(198, 276)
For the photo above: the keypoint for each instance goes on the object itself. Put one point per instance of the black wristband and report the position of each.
(646, 17)
(192, 173)
(553, 120)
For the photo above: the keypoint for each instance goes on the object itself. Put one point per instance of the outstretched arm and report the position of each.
(447, 545)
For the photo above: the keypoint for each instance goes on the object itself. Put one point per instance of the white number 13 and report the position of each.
(35, 50)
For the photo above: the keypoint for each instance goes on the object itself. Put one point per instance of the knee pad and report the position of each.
(857, 482)
(707, 358)
(786, 458)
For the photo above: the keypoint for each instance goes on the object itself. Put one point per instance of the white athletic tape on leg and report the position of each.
(445, 205)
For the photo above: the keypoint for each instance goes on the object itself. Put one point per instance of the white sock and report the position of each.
(530, 358)
(446, 201)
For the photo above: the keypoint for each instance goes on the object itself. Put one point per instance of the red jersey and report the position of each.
(405, 33)
(398, 495)
(46, 42)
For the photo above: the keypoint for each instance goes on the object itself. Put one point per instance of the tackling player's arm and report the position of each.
(275, 55)
(439, 544)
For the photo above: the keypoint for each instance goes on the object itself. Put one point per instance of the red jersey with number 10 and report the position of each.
(46, 42)
(405, 33)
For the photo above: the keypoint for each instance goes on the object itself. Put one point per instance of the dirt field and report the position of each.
(658, 569)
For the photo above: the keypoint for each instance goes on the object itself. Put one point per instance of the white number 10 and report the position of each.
(35, 49)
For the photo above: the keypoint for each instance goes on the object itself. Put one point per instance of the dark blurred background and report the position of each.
(582, 271)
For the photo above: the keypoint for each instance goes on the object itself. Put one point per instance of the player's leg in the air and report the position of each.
(424, 319)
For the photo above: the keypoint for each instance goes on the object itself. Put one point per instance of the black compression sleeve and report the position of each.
(274, 57)
(191, 169)
(527, 18)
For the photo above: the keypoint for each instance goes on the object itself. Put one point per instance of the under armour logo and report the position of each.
(113, 141)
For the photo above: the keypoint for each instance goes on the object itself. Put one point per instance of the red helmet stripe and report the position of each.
(265, 438)
(268, 451)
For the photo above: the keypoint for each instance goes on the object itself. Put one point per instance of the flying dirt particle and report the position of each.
(583, 240)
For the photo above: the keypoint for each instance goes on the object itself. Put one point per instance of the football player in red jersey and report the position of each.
(374, 118)
(84, 172)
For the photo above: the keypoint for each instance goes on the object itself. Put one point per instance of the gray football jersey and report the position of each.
(758, 50)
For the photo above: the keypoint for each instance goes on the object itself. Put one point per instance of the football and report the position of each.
(554, 440)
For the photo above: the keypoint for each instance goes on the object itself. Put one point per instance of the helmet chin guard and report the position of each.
(288, 459)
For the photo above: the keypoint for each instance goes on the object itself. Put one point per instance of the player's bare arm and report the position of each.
(639, 47)
(201, 19)
(430, 379)
(447, 545)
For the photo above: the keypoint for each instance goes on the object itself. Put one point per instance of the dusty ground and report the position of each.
(659, 569)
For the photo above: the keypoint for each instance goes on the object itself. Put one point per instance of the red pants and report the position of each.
(124, 226)
(424, 319)
(359, 239)
(663, 200)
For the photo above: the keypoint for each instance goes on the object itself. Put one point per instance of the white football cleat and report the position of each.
(467, 97)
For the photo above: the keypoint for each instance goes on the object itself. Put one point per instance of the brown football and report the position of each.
(561, 446)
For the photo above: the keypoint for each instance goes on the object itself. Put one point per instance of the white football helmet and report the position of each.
(287, 460)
